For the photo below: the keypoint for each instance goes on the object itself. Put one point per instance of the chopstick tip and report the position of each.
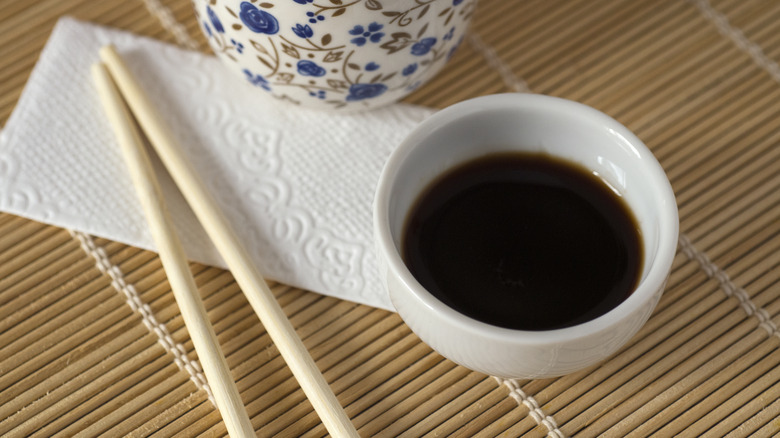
(107, 51)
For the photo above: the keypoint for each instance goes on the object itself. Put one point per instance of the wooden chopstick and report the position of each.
(226, 395)
(232, 250)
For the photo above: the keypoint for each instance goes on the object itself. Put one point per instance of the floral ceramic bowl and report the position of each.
(337, 54)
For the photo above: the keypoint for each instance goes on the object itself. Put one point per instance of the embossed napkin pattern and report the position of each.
(297, 184)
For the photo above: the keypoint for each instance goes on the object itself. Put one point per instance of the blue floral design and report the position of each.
(314, 18)
(423, 46)
(371, 33)
(409, 69)
(456, 2)
(449, 34)
(257, 80)
(371, 66)
(303, 31)
(365, 91)
(207, 29)
(239, 47)
(258, 21)
(319, 94)
(215, 20)
(310, 68)
(303, 2)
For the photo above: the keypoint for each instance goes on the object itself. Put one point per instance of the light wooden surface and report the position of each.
(172, 256)
(695, 80)
(231, 248)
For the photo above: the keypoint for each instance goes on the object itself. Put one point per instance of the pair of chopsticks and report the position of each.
(116, 85)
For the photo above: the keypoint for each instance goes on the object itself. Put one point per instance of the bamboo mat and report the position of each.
(91, 341)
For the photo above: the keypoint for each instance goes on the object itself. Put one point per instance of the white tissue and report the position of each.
(297, 184)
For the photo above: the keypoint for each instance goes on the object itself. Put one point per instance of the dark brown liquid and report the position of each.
(525, 242)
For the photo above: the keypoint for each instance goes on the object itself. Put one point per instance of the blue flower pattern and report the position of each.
(215, 20)
(310, 68)
(303, 31)
(365, 91)
(370, 33)
(258, 21)
(257, 80)
(423, 46)
(314, 18)
(239, 47)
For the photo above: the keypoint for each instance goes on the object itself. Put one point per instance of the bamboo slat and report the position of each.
(697, 80)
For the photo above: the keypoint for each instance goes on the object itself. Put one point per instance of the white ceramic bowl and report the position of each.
(335, 54)
(539, 124)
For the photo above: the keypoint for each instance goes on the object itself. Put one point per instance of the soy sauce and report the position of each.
(521, 241)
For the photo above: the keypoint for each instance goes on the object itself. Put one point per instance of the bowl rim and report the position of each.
(655, 279)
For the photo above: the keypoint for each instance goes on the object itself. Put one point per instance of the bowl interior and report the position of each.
(541, 125)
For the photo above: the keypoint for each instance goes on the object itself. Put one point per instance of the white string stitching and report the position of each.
(738, 38)
(164, 337)
(710, 269)
(755, 51)
(169, 22)
(758, 55)
(517, 393)
(513, 81)
(727, 286)
(179, 32)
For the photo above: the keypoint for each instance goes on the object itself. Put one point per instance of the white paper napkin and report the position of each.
(297, 184)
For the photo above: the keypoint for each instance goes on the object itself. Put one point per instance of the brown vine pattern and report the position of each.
(326, 65)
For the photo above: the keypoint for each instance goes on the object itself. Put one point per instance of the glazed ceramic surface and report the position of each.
(539, 124)
(335, 54)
